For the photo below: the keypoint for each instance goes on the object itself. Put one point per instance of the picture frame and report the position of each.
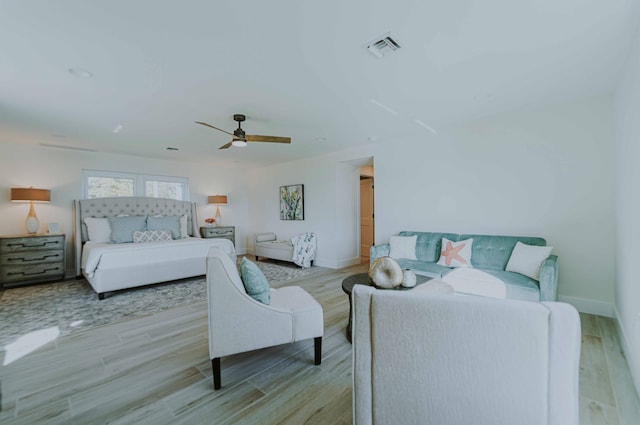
(292, 202)
(53, 228)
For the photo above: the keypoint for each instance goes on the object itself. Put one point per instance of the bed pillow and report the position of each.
(98, 229)
(403, 247)
(255, 283)
(184, 232)
(527, 259)
(122, 228)
(170, 222)
(151, 236)
(455, 254)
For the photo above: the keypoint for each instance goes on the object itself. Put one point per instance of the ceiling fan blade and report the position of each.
(268, 139)
(227, 146)
(215, 128)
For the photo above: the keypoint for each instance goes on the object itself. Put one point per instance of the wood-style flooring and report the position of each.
(156, 370)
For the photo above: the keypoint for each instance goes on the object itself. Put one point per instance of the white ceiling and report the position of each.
(295, 68)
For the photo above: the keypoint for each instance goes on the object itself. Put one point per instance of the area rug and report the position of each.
(72, 305)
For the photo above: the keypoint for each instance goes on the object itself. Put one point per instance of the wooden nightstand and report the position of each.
(31, 259)
(227, 232)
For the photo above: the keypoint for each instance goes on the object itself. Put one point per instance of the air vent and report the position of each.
(383, 46)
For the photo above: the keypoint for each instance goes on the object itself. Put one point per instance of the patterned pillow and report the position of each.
(456, 254)
(151, 236)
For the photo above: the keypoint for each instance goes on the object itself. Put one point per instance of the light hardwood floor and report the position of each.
(156, 370)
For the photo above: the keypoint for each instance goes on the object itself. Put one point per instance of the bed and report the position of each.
(111, 266)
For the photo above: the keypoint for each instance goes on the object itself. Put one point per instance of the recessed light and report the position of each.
(80, 73)
(372, 139)
(172, 149)
(321, 139)
(118, 128)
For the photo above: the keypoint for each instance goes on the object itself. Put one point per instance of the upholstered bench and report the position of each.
(268, 246)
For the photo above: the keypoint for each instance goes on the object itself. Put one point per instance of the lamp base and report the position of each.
(32, 223)
(218, 217)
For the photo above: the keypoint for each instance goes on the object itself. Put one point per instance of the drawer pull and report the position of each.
(26, 260)
(35, 273)
(25, 245)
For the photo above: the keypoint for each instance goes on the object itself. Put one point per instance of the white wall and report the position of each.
(627, 126)
(60, 171)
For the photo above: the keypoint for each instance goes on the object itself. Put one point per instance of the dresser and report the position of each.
(227, 232)
(31, 259)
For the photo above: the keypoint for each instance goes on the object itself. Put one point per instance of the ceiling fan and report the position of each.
(240, 138)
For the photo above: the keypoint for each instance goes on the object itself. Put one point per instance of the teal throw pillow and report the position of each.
(122, 228)
(171, 222)
(255, 283)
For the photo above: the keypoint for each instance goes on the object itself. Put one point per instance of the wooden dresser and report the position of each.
(227, 232)
(30, 259)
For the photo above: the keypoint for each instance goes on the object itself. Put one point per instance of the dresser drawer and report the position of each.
(32, 273)
(32, 244)
(31, 257)
(212, 232)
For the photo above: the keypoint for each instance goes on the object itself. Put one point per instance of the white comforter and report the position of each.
(109, 256)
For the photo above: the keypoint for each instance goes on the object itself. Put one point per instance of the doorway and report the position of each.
(367, 214)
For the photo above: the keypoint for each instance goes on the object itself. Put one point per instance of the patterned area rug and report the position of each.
(72, 305)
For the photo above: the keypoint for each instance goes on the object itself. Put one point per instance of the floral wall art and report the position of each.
(292, 202)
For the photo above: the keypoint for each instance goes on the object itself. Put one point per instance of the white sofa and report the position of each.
(446, 359)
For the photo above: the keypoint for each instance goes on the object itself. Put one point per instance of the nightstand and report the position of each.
(227, 232)
(31, 259)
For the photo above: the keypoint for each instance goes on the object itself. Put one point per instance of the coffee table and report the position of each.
(363, 279)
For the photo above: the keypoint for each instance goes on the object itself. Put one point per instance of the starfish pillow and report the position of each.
(455, 254)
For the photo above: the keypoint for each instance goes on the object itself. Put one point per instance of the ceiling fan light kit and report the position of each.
(240, 138)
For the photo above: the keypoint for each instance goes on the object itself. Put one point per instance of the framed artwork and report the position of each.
(53, 228)
(292, 202)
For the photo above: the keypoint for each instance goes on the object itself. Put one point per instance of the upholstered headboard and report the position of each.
(111, 207)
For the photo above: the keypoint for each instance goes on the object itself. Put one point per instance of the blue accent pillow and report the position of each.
(122, 228)
(255, 283)
(170, 222)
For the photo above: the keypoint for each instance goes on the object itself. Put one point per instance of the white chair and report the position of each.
(238, 323)
(460, 360)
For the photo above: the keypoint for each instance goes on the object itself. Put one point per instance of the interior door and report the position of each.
(366, 218)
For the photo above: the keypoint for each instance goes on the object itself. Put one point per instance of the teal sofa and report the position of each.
(489, 254)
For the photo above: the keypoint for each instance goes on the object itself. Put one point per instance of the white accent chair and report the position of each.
(238, 323)
(460, 360)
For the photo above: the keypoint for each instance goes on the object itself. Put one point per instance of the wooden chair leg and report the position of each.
(317, 346)
(217, 379)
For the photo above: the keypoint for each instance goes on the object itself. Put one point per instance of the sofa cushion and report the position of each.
(493, 252)
(428, 244)
(424, 268)
(519, 287)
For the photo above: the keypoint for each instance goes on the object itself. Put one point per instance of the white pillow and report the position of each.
(455, 254)
(98, 229)
(184, 233)
(527, 259)
(403, 247)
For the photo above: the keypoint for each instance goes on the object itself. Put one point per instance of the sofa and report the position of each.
(490, 254)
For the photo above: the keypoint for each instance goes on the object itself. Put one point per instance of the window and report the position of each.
(99, 184)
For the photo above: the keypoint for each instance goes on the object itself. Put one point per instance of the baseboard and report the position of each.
(631, 360)
(584, 305)
(348, 262)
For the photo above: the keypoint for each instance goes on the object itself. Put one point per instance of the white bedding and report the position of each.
(105, 256)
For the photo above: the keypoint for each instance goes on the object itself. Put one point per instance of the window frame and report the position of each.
(139, 181)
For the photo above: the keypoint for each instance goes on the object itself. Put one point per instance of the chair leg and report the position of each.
(217, 381)
(317, 346)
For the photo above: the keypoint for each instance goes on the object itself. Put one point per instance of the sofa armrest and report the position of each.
(378, 251)
(549, 279)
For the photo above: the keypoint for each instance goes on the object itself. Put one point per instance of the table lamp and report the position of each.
(31, 195)
(218, 200)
